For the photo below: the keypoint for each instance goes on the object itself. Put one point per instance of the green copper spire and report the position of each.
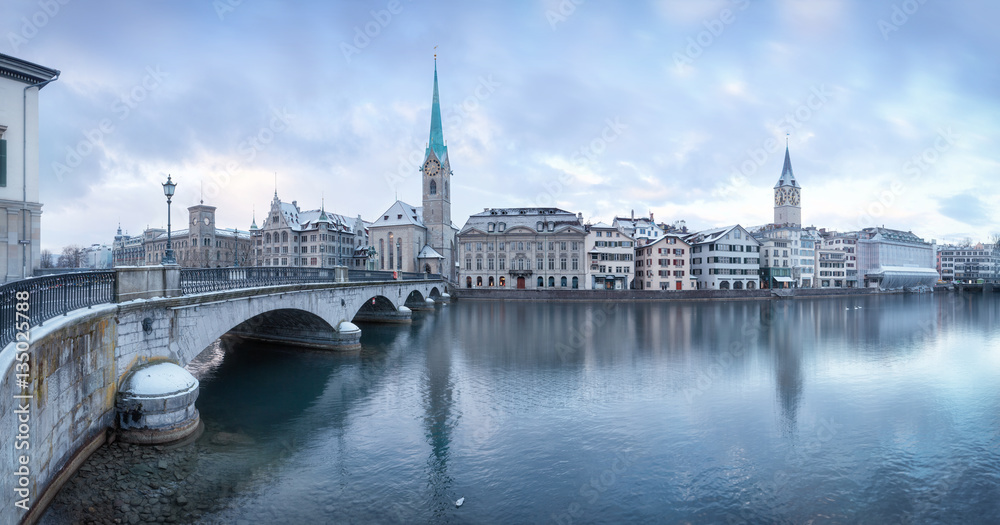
(437, 134)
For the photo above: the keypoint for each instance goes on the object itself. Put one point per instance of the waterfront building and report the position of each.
(289, 236)
(776, 264)
(20, 204)
(831, 268)
(847, 243)
(664, 264)
(725, 258)
(522, 248)
(969, 263)
(890, 258)
(422, 239)
(610, 258)
(641, 229)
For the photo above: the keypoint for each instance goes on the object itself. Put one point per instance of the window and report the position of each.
(541, 283)
(562, 263)
(3, 162)
(552, 282)
(539, 227)
(434, 188)
(503, 281)
(501, 227)
(489, 227)
(502, 264)
(539, 264)
(468, 264)
(576, 281)
(562, 282)
(479, 263)
(489, 263)
(576, 265)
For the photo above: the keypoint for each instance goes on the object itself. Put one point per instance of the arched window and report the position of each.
(284, 236)
(381, 254)
(267, 238)
(479, 280)
(503, 281)
(576, 283)
(751, 285)
(391, 253)
(468, 282)
(491, 281)
(738, 285)
(562, 282)
(434, 188)
(541, 282)
(399, 253)
(445, 188)
(724, 285)
(552, 282)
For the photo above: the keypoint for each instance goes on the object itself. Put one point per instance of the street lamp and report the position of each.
(168, 190)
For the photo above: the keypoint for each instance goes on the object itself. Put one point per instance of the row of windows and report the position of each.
(323, 237)
(298, 261)
(611, 256)
(519, 246)
(613, 244)
(730, 271)
(727, 260)
(539, 283)
(520, 263)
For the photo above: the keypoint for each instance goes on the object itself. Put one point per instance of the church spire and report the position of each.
(787, 177)
(437, 134)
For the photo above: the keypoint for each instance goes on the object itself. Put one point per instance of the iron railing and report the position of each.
(51, 296)
(196, 280)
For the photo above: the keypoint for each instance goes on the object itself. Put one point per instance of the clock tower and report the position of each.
(787, 194)
(436, 186)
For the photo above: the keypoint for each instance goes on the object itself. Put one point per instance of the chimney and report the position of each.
(650, 216)
(633, 214)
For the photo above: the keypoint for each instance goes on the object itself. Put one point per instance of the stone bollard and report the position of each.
(156, 405)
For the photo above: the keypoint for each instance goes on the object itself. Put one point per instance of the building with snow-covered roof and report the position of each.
(201, 245)
(642, 230)
(289, 236)
(522, 248)
(890, 258)
(664, 264)
(725, 258)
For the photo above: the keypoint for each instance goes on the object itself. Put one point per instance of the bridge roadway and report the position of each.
(78, 362)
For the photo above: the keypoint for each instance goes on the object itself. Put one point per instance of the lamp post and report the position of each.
(168, 190)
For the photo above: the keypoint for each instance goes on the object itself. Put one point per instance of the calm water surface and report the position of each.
(853, 410)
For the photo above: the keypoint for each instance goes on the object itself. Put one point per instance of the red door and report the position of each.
(679, 285)
(520, 283)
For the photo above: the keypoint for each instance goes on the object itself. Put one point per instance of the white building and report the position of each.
(890, 259)
(20, 204)
(847, 243)
(290, 236)
(610, 258)
(969, 263)
(665, 264)
(97, 256)
(641, 229)
(725, 259)
(522, 248)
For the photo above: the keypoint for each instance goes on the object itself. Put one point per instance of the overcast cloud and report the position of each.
(674, 107)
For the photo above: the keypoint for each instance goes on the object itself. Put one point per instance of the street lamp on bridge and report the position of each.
(168, 190)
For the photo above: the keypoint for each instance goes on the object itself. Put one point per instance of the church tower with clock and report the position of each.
(787, 194)
(436, 171)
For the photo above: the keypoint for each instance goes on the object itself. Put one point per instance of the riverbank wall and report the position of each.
(487, 294)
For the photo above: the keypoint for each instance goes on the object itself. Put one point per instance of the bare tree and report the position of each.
(995, 239)
(47, 259)
(72, 257)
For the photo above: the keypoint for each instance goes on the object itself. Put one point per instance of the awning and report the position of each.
(784, 279)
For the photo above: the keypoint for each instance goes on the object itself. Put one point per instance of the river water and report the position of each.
(882, 409)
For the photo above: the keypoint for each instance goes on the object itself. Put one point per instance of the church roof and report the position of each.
(429, 253)
(400, 214)
(787, 177)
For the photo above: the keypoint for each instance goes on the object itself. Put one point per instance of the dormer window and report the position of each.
(386, 217)
(502, 226)
(489, 227)
(400, 216)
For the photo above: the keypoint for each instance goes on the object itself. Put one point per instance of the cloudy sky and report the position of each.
(679, 108)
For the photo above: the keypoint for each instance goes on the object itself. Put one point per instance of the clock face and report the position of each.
(207, 221)
(432, 167)
(795, 198)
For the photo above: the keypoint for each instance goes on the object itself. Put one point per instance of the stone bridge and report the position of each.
(82, 387)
